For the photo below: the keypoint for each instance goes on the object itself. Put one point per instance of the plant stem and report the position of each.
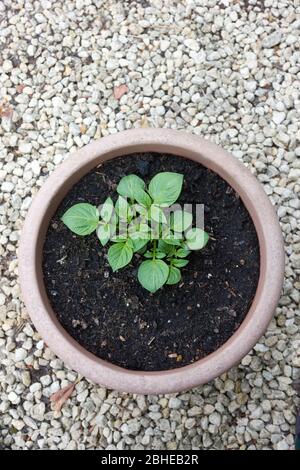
(154, 249)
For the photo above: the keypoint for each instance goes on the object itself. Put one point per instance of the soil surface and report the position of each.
(112, 316)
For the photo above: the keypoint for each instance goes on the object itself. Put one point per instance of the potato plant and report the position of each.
(142, 220)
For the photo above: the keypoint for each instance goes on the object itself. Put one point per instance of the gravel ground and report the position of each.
(228, 70)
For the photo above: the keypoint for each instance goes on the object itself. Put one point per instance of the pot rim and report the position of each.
(255, 200)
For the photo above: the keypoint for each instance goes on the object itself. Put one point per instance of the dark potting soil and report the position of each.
(113, 316)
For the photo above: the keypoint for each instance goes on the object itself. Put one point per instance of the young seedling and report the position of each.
(142, 221)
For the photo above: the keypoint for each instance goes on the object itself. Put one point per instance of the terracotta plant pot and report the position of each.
(271, 261)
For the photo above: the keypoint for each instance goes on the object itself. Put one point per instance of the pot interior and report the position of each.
(111, 315)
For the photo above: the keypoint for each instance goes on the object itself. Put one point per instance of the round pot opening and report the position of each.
(112, 315)
(235, 346)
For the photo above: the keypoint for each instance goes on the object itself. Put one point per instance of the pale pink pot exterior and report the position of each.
(271, 261)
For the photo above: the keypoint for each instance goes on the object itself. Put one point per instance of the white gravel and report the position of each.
(228, 71)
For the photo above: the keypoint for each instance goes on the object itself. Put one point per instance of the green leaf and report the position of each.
(119, 255)
(141, 251)
(164, 247)
(113, 224)
(181, 220)
(103, 233)
(148, 254)
(153, 274)
(139, 231)
(174, 275)
(82, 218)
(129, 184)
(119, 238)
(144, 228)
(172, 241)
(180, 263)
(165, 188)
(182, 253)
(129, 243)
(157, 214)
(140, 235)
(169, 237)
(142, 197)
(123, 209)
(107, 210)
(133, 228)
(139, 243)
(160, 255)
(196, 239)
(143, 211)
